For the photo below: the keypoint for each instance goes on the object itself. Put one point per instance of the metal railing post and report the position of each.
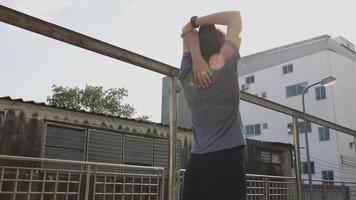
(162, 184)
(178, 186)
(324, 191)
(343, 191)
(87, 183)
(266, 187)
(298, 169)
(172, 138)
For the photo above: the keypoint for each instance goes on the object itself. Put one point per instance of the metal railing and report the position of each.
(258, 187)
(41, 178)
(54, 31)
(330, 190)
(285, 188)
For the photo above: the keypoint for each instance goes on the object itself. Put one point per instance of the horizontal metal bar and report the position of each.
(143, 194)
(42, 27)
(255, 175)
(280, 188)
(39, 26)
(38, 181)
(292, 112)
(121, 183)
(127, 174)
(255, 187)
(50, 160)
(321, 180)
(34, 192)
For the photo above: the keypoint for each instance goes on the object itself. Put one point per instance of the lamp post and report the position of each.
(324, 82)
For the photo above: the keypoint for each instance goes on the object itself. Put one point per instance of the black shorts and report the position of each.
(218, 175)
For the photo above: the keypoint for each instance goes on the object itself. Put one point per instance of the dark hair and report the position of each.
(210, 40)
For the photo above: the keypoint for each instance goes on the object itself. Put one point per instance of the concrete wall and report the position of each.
(344, 92)
(22, 127)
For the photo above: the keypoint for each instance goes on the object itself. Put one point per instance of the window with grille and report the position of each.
(327, 175)
(265, 157)
(287, 68)
(305, 167)
(250, 79)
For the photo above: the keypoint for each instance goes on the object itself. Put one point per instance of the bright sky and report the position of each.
(30, 64)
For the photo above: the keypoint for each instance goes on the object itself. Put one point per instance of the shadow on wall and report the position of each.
(20, 136)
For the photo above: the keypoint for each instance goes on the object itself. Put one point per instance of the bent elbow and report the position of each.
(235, 18)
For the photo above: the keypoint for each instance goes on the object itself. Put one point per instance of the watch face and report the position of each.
(193, 21)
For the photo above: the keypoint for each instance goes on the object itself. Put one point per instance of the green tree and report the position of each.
(93, 99)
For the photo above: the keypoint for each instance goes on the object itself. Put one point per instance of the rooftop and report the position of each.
(31, 102)
(279, 55)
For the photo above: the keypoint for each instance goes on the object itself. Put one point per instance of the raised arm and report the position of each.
(201, 71)
(232, 19)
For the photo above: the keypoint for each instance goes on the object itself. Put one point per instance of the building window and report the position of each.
(265, 156)
(324, 134)
(287, 68)
(327, 175)
(320, 93)
(270, 157)
(264, 94)
(254, 129)
(296, 89)
(264, 125)
(305, 167)
(250, 79)
(303, 125)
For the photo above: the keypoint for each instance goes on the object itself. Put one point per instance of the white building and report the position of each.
(279, 75)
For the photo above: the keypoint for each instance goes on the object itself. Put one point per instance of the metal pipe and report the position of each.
(162, 184)
(50, 160)
(87, 183)
(42, 27)
(39, 26)
(293, 112)
(172, 138)
(298, 170)
(310, 179)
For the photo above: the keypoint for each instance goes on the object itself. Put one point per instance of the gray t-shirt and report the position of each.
(215, 110)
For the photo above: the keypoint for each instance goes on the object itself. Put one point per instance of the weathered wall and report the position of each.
(19, 135)
(22, 128)
(282, 153)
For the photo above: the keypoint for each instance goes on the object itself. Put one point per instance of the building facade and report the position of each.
(280, 75)
(39, 130)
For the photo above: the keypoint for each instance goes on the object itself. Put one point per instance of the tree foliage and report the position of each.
(93, 99)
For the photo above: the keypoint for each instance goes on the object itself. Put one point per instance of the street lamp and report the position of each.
(324, 82)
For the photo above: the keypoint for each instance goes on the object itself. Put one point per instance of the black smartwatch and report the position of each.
(193, 21)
